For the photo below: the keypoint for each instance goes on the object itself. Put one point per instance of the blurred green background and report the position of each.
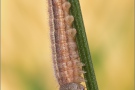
(26, 53)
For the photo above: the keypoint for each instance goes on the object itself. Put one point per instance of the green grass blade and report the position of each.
(83, 47)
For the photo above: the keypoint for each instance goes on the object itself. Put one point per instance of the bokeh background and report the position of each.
(25, 46)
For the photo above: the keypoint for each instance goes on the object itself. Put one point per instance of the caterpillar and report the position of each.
(67, 64)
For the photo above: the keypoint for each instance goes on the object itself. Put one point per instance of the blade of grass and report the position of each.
(83, 47)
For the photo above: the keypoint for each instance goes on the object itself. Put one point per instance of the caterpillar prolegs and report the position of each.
(67, 65)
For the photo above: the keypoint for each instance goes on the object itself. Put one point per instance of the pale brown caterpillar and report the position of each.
(67, 65)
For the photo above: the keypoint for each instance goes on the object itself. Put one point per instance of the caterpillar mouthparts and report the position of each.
(72, 86)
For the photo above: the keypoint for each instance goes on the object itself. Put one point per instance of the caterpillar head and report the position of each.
(72, 86)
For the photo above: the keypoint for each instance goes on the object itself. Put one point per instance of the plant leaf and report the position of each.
(83, 47)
